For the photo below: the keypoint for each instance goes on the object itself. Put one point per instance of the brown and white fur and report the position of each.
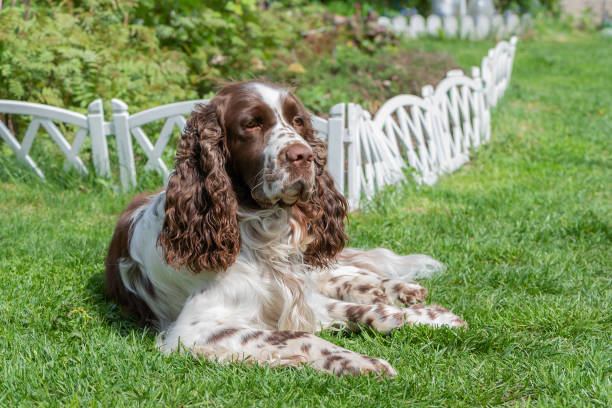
(241, 257)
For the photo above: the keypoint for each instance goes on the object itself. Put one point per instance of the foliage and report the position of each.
(217, 38)
(532, 6)
(368, 79)
(424, 7)
(524, 230)
(69, 59)
(547, 26)
(149, 53)
(346, 7)
(68, 55)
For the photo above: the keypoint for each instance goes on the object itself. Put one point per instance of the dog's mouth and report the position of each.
(273, 190)
(299, 190)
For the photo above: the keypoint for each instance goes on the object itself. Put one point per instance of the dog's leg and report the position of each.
(390, 265)
(206, 333)
(381, 317)
(352, 284)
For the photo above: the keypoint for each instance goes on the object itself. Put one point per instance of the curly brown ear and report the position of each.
(200, 228)
(325, 212)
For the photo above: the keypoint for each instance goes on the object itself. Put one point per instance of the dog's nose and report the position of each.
(299, 155)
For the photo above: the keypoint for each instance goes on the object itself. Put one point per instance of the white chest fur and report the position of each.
(264, 287)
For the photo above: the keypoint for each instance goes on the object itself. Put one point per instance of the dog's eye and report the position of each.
(253, 124)
(297, 121)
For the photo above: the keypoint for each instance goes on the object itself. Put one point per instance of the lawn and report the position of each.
(525, 230)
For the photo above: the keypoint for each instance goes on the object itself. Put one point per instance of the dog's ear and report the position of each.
(200, 230)
(325, 211)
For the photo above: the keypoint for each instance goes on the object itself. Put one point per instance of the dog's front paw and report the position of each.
(432, 315)
(354, 364)
(407, 293)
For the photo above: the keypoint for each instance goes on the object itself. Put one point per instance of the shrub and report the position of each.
(145, 52)
(346, 7)
(70, 59)
(531, 6)
(150, 53)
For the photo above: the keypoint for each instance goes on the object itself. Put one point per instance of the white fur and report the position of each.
(281, 136)
(269, 286)
(405, 268)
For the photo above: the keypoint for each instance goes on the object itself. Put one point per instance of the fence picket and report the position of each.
(99, 146)
(432, 134)
(125, 151)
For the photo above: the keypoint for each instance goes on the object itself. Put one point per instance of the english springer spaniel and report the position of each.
(242, 257)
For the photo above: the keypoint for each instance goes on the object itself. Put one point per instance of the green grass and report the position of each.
(525, 230)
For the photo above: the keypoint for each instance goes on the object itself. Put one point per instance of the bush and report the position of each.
(218, 38)
(69, 60)
(532, 6)
(145, 52)
(345, 7)
(351, 75)
(150, 53)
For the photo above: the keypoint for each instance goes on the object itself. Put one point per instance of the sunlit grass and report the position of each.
(524, 229)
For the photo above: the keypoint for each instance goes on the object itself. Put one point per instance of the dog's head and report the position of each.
(252, 144)
(267, 131)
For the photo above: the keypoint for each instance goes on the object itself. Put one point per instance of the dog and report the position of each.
(241, 257)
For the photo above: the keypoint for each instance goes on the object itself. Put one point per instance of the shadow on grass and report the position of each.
(112, 314)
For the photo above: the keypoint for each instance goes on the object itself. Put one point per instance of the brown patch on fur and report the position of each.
(354, 313)
(399, 317)
(354, 371)
(335, 279)
(329, 360)
(251, 336)
(339, 293)
(306, 348)
(380, 298)
(281, 337)
(409, 295)
(347, 368)
(418, 309)
(221, 334)
(365, 288)
(460, 322)
(118, 249)
(381, 310)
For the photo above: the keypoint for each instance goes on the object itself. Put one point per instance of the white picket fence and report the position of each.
(463, 26)
(432, 134)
